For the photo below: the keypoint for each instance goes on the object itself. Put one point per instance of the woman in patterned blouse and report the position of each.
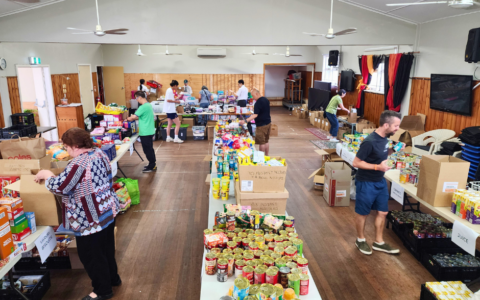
(89, 206)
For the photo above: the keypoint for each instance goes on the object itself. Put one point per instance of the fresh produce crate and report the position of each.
(465, 274)
(417, 245)
(36, 293)
(23, 119)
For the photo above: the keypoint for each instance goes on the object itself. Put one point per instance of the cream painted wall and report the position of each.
(62, 58)
(237, 61)
(274, 76)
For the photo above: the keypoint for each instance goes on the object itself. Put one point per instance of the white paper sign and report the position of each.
(309, 114)
(450, 187)
(247, 186)
(342, 193)
(464, 237)
(397, 192)
(45, 243)
(316, 120)
(131, 149)
(114, 169)
(339, 149)
(348, 156)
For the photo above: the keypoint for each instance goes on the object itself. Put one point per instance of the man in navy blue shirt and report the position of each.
(371, 186)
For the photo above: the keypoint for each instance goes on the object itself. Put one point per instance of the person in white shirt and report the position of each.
(242, 94)
(186, 89)
(171, 111)
(142, 87)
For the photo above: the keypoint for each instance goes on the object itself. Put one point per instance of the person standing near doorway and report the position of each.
(170, 109)
(242, 94)
(371, 186)
(263, 121)
(336, 103)
(146, 124)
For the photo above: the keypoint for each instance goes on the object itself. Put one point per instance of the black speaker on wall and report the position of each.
(347, 80)
(472, 53)
(333, 57)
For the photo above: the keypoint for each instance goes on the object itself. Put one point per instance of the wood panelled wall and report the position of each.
(374, 105)
(214, 82)
(420, 103)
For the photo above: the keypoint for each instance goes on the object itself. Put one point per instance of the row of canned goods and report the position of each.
(243, 290)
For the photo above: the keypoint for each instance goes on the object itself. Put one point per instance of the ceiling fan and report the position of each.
(331, 34)
(287, 53)
(168, 53)
(255, 52)
(140, 53)
(464, 4)
(98, 30)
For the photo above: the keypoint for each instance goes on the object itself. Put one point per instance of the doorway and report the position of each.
(36, 93)
(86, 89)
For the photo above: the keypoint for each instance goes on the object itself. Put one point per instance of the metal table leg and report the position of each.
(406, 202)
(125, 176)
(12, 285)
(137, 152)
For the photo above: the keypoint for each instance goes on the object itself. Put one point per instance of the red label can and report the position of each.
(304, 285)
(303, 266)
(271, 277)
(210, 264)
(259, 278)
(222, 270)
(239, 270)
(248, 273)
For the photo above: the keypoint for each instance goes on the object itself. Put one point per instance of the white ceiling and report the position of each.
(9, 7)
(414, 13)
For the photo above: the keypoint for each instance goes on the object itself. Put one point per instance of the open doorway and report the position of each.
(283, 91)
(36, 93)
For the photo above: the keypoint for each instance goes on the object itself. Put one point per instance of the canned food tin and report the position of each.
(259, 275)
(238, 240)
(293, 234)
(288, 224)
(269, 262)
(231, 264)
(210, 263)
(294, 283)
(287, 244)
(290, 218)
(257, 253)
(251, 263)
(263, 247)
(239, 265)
(279, 292)
(268, 238)
(288, 258)
(227, 251)
(253, 246)
(248, 256)
(290, 229)
(247, 272)
(280, 262)
(227, 298)
(268, 252)
(231, 245)
(278, 239)
(220, 255)
(291, 251)
(304, 284)
(247, 252)
(279, 250)
(280, 232)
(259, 232)
(274, 268)
(275, 256)
(258, 262)
(296, 271)
(222, 270)
(246, 242)
(264, 257)
(231, 235)
(238, 257)
(292, 265)
(303, 264)
(242, 235)
(241, 287)
(254, 290)
(238, 230)
(251, 236)
(271, 276)
(283, 280)
(282, 244)
(250, 231)
(260, 240)
(299, 244)
(271, 246)
(268, 291)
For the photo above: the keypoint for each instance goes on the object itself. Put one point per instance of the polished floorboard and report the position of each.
(159, 242)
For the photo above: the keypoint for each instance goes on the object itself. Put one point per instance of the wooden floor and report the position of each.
(159, 242)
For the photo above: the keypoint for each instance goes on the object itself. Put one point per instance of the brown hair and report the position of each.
(77, 137)
(140, 94)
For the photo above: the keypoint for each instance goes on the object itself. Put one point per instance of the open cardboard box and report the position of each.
(262, 179)
(318, 178)
(410, 127)
(338, 177)
(36, 198)
(329, 155)
(24, 166)
(275, 203)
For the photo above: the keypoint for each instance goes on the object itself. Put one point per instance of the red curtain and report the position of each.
(365, 75)
(392, 74)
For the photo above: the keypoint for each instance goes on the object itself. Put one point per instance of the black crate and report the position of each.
(36, 293)
(465, 274)
(418, 244)
(425, 294)
(95, 119)
(19, 130)
(23, 119)
(127, 133)
(52, 263)
(182, 133)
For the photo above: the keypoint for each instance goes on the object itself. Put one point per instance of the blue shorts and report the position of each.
(172, 116)
(371, 196)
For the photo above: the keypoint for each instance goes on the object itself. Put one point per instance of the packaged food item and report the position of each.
(6, 239)
(267, 291)
(5, 181)
(222, 270)
(11, 204)
(299, 244)
(304, 284)
(303, 264)
(294, 283)
(271, 276)
(210, 263)
(239, 265)
(247, 272)
(283, 280)
(241, 288)
(231, 263)
(259, 275)
(17, 237)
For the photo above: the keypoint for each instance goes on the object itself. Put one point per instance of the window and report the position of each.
(377, 84)
(330, 73)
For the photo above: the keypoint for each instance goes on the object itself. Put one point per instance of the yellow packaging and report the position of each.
(216, 182)
(224, 194)
(216, 193)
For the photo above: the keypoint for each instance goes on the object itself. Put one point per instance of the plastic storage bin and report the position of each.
(19, 130)
(36, 293)
(465, 274)
(182, 133)
(23, 119)
(198, 132)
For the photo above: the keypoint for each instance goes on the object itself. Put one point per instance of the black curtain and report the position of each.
(377, 59)
(386, 85)
(360, 63)
(402, 78)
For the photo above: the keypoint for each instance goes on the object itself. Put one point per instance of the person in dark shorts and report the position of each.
(241, 94)
(371, 186)
(170, 109)
(263, 121)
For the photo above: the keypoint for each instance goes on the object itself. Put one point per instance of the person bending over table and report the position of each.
(170, 109)
(335, 104)
(371, 186)
(146, 124)
(263, 121)
(89, 206)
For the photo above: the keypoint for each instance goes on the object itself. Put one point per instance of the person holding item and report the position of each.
(242, 94)
(146, 124)
(89, 206)
(142, 87)
(186, 88)
(205, 98)
(371, 186)
(261, 115)
(335, 104)
(170, 109)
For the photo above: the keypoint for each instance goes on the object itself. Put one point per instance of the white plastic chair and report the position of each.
(433, 137)
(438, 147)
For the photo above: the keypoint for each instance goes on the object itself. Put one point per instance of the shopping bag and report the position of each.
(23, 148)
(132, 188)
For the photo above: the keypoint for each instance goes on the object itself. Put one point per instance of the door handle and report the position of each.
(122, 87)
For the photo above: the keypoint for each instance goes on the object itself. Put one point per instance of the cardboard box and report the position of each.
(189, 121)
(312, 119)
(352, 117)
(318, 122)
(302, 114)
(275, 203)
(318, 178)
(22, 166)
(440, 176)
(410, 127)
(180, 109)
(11, 204)
(363, 125)
(20, 227)
(274, 130)
(211, 133)
(329, 155)
(31, 221)
(15, 213)
(262, 179)
(17, 237)
(327, 126)
(6, 239)
(36, 198)
(336, 190)
(294, 111)
(342, 131)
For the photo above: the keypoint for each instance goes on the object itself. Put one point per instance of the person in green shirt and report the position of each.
(335, 104)
(146, 124)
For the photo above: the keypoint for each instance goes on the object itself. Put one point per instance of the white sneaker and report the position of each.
(169, 139)
(178, 140)
(334, 140)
